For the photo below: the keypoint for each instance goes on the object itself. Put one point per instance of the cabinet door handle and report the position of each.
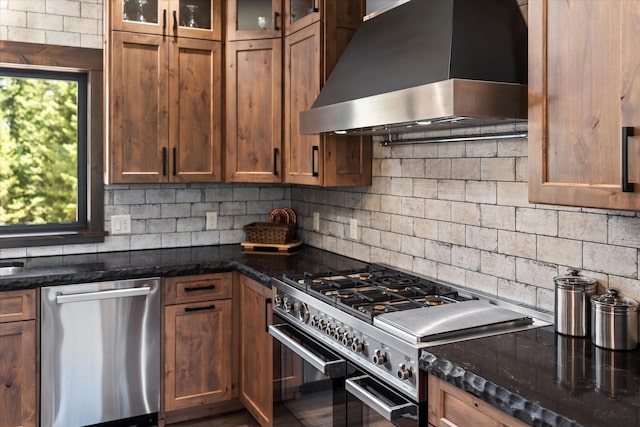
(315, 6)
(275, 161)
(175, 161)
(200, 288)
(314, 156)
(267, 307)
(164, 162)
(627, 187)
(276, 15)
(175, 21)
(207, 307)
(164, 19)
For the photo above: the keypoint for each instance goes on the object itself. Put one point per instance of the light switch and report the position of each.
(121, 224)
(212, 221)
(353, 226)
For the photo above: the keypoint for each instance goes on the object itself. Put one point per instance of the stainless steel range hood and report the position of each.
(428, 64)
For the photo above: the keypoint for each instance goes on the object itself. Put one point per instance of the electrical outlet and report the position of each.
(212, 220)
(121, 224)
(316, 221)
(353, 228)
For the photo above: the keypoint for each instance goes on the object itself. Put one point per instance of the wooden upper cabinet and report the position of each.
(199, 19)
(583, 91)
(165, 109)
(254, 111)
(139, 109)
(310, 55)
(195, 110)
(254, 19)
(303, 80)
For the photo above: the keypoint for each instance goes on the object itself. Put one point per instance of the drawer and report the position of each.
(204, 287)
(17, 305)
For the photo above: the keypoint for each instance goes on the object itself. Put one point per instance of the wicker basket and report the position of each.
(270, 233)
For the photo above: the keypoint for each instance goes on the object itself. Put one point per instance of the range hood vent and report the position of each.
(427, 64)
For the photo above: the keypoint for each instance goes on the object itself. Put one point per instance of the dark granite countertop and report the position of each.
(537, 376)
(69, 269)
(543, 378)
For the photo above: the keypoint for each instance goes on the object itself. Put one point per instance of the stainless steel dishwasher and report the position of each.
(100, 353)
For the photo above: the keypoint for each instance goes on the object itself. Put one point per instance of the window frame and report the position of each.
(30, 56)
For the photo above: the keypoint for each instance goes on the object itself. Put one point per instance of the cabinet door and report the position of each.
(256, 351)
(18, 374)
(195, 110)
(200, 19)
(579, 71)
(139, 109)
(301, 13)
(451, 406)
(302, 83)
(254, 19)
(140, 16)
(197, 19)
(254, 111)
(197, 354)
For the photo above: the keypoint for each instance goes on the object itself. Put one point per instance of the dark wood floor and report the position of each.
(232, 419)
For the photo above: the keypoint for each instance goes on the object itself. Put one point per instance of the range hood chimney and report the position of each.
(427, 64)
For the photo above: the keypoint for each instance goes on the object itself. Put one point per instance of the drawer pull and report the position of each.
(201, 288)
(627, 187)
(314, 155)
(208, 307)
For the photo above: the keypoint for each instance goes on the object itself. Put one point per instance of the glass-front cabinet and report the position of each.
(300, 13)
(254, 19)
(200, 19)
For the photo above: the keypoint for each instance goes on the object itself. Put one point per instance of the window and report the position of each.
(51, 132)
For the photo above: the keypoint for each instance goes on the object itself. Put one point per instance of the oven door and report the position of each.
(308, 381)
(374, 404)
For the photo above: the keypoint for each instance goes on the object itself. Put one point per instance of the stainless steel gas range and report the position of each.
(373, 322)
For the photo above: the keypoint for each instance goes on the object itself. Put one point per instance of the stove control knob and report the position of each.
(379, 358)
(303, 313)
(337, 334)
(404, 373)
(329, 329)
(346, 340)
(278, 300)
(322, 325)
(286, 305)
(315, 321)
(356, 345)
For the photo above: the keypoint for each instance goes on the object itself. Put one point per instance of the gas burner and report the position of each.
(432, 300)
(345, 293)
(396, 282)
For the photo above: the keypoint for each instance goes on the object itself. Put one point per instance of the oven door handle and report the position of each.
(390, 413)
(332, 368)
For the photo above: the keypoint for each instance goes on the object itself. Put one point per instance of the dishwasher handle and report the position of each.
(100, 295)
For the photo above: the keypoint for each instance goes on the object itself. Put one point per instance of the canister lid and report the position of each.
(573, 280)
(612, 298)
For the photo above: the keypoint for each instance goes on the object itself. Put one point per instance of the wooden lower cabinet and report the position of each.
(450, 406)
(256, 350)
(198, 349)
(18, 400)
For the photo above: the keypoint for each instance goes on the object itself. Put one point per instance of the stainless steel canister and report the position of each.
(572, 311)
(614, 321)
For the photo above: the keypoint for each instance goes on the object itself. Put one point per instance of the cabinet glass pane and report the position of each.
(140, 11)
(255, 14)
(301, 8)
(195, 14)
